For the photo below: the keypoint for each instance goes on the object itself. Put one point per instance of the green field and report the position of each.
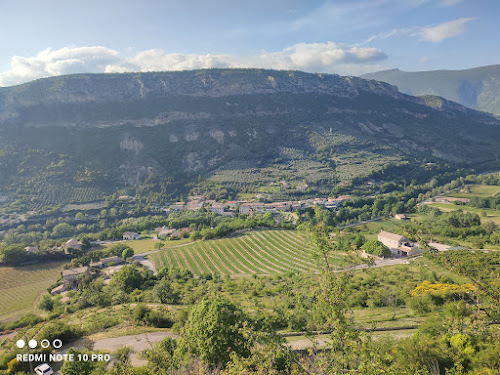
(492, 215)
(260, 252)
(482, 191)
(145, 245)
(20, 287)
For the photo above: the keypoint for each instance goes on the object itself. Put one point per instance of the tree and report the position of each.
(117, 249)
(46, 303)
(164, 291)
(376, 248)
(213, 331)
(127, 253)
(77, 367)
(62, 230)
(159, 245)
(127, 279)
(13, 254)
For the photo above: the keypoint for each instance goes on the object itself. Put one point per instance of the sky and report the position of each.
(348, 37)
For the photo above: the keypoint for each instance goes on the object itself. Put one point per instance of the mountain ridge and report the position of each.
(162, 134)
(477, 88)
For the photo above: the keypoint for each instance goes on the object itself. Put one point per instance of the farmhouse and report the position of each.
(194, 206)
(217, 208)
(70, 276)
(249, 208)
(31, 249)
(399, 245)
(164, 232)
(73, 243)
(131, 236)
(177, 206)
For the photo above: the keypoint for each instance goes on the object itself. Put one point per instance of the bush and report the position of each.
(46, 303)
(421, 304)
(376, 248)
(159, 319)
(59, 330)
(140, 312)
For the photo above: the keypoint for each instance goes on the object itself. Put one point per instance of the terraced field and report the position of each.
(21, 287)
(260, 252)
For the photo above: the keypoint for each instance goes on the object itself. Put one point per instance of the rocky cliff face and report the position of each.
(137, 87)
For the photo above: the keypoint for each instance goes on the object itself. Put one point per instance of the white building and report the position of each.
(131, 236)
(399, 245)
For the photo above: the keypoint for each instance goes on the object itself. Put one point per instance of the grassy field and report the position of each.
(145, 245)
(262, 252)
(492, 215)
(482, 191)
(20, 287)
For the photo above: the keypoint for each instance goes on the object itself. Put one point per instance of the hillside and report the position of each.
(76, 138)
(477, 88)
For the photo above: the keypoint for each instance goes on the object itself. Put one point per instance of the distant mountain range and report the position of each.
(477, 88)
(73, 138)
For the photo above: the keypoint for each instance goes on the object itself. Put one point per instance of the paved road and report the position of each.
(146, 263)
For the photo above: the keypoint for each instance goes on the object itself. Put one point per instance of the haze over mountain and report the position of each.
(73, 138)
(477, 88)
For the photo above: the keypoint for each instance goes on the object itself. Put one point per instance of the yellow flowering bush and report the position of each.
(441, 289)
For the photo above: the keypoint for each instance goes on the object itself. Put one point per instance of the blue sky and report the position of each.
(52, 37)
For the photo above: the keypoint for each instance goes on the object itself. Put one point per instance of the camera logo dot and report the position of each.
(32, 344)
(45, 344)
(57, 343)
(20, 344)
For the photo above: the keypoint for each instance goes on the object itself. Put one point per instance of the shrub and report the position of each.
(59, 330)
(421, 304)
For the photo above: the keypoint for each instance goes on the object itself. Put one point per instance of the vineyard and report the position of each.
(20, 287)
(260, 252)
(46, 194)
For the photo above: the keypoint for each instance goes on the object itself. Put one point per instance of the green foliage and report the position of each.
(46, 303)
(127, 279)
(127, 253)
(59, 330)
(376, 248)
(213, 331)
(13, 254)
(77, 367)
(164, 292)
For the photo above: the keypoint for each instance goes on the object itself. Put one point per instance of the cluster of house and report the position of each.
(70, 276)
(247, 208)
(399, 245)
(72, 243)
(164, 232)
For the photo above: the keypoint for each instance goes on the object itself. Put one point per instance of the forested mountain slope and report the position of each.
(74, 138)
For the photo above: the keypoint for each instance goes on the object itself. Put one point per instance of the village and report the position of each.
(245, 207)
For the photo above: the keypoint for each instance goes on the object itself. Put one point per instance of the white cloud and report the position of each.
(328, 57)
(431, 33)
(444, 30)
(62, 61)
(317, 57)
(449, 3)
(440, 3)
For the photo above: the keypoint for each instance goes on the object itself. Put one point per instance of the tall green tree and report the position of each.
(213, 331)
